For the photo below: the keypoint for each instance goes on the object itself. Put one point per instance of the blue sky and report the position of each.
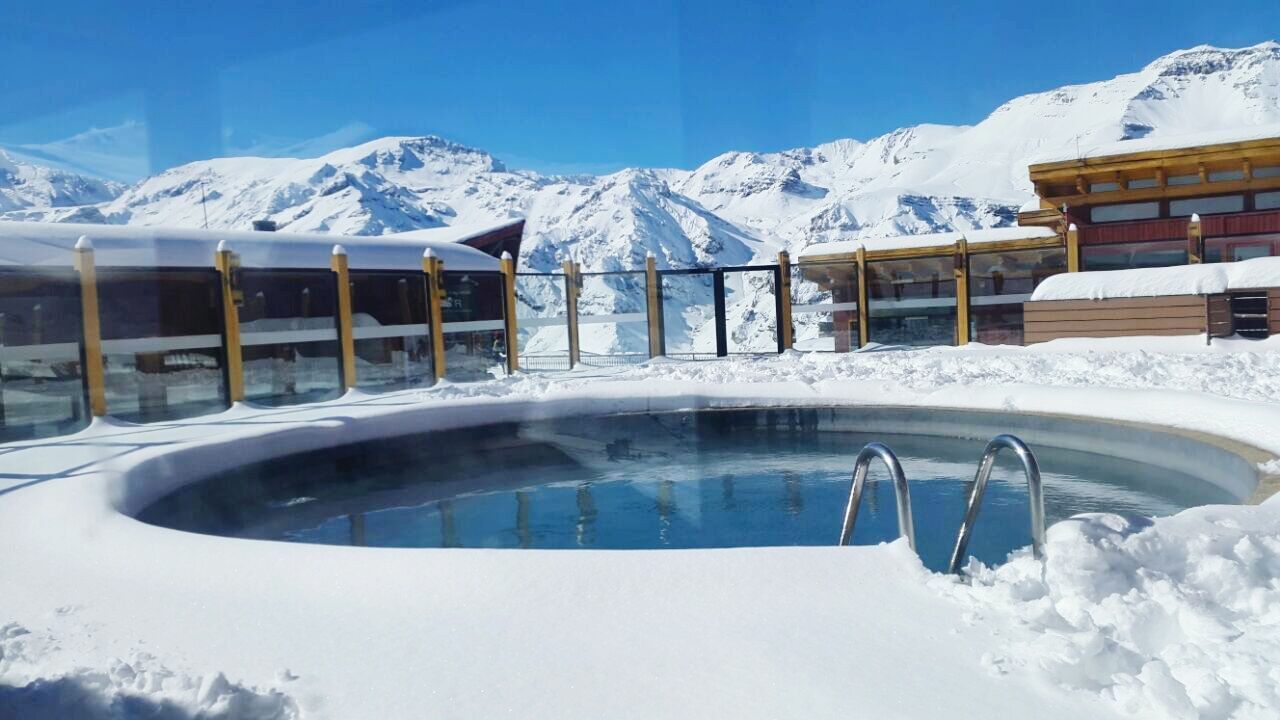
(565, 86)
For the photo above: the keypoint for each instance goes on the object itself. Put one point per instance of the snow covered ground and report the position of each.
(1174, 617)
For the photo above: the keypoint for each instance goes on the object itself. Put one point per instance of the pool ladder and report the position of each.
(902, 494)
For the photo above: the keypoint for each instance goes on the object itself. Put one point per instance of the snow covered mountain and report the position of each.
(49, 192)
(737, 208)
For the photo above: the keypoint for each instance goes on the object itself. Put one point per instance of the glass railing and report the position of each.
(613, 321)
(542, 317)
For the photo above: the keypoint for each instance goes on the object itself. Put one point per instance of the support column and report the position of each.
(571, 288)
(864, 323)
(722, 331)
(508, 267)
(346, 341)
(962, 291)
(783, 293)
(652, 294)
(1195, 241)
(228, 265)
(434, 269)
(1073, 248)
(91, 324)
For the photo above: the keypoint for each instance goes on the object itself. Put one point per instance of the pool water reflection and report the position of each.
(675, 480)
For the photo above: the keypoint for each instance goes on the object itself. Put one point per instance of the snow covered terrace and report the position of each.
(1126, 617)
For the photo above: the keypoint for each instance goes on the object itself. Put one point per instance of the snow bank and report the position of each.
(1174, 618)
(1204, 279)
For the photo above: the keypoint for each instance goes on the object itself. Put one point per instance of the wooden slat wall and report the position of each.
(1116, 317)
(1273, 310)
(1264, 221)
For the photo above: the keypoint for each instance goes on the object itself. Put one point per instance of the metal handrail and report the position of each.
(1035, 492)
(906, 528)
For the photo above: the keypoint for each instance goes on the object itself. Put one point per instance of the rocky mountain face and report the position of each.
(736, 209)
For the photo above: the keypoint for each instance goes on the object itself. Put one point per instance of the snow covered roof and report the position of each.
(1163, 142)
(23, 243)
(454, 233)
(1205, 279)
(903, 242)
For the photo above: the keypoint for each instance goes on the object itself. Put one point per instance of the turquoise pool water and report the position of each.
(706, 479)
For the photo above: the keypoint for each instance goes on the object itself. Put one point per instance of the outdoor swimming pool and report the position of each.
(707, 479)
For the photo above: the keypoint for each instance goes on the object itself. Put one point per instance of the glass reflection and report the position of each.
(998, 285)
(41, 385)
(390, 330)
(912, 302)
(475, 339)
(1123, 256)
(824, 307)
(289, 336)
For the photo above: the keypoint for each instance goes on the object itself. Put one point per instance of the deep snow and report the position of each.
(1175, 617)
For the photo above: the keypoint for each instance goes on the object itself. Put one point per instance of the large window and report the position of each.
(389, 327)
(289, 336)
(998, 285)
(162, 343)
(1242, 247)
(1125, 211)
(475, 338)
(1123, 256)
(41, 385)
(824, 307)
(912, 302)
(1206, 205)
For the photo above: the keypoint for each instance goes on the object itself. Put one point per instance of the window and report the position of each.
(1182, 180)
(912, 302)
(1125, 211)
(162, 343)
(1206, 205)
(1124, 256)
(289, 336)
(824, 307)
(475, 338)
(41, 385)
(1226, 175)
(1241, 247)
(389, 328)
(998, 285)
(1140, 183)
(1266, 201)
(1104, 187)
(1266, 172)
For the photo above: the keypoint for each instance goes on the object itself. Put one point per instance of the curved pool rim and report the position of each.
(1229, 464)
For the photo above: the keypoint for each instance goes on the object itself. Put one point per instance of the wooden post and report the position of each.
(228, 265)
(571, 310)
(785, 330)
(434, 269)
(962, 291)
(1195, 241)
(864, 329)
(346, 341)
(91, 324)
(508, 267)
(1073, 248)
(652, 290)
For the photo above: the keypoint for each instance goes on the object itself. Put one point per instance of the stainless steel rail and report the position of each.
(1034, 492)
(906, 528)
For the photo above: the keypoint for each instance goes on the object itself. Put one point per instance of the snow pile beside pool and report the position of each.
(1205, 279)
(1179, 617)
(46, 683)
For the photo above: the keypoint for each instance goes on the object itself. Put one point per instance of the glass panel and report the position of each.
(998, 285)
(1226, 175)
(289, 336)
(1265, 172)
(912, 302)
(1125, 211)
(1140, 183)
(542, 322)
(613, 321)
(689, 315)
(1182, 180)
(475, 342)
(1134, 255)
(751, 312)
(1206, 205)
(1266, 201)
(389, 326)
(162, 343)
(41, 386)
(824, 307)
(1104, 186)
(1230, 249)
